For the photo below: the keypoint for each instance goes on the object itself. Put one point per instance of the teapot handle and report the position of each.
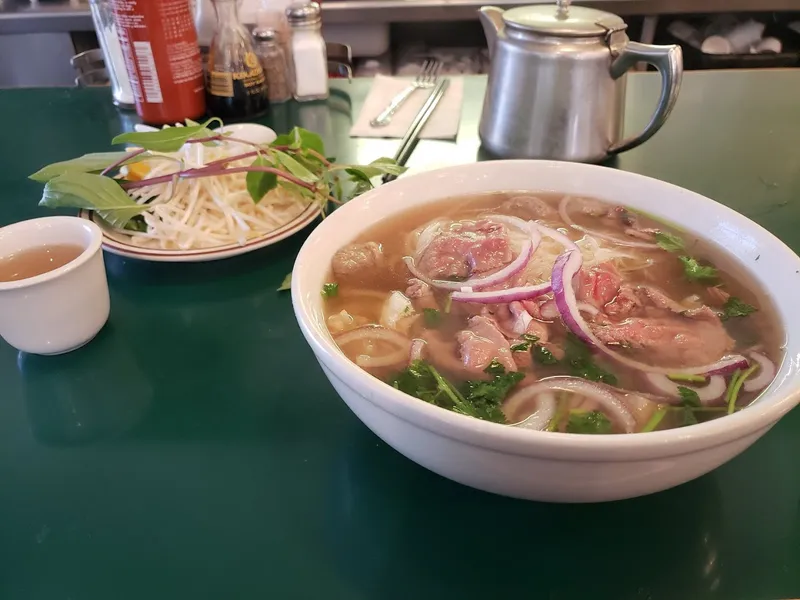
(669, 62)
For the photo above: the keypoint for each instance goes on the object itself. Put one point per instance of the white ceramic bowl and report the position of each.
(62, 309)
(541, 465)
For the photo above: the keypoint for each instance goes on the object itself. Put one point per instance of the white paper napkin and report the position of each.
(442, 125)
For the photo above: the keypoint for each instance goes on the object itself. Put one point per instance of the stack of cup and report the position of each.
(727, 35)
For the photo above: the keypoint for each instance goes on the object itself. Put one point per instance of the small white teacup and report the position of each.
(59, 310)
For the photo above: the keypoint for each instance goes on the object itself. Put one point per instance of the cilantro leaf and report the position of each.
(422, 381)
(482, 399)
(694, 271)
(734, 307)
(669, 241)
(689, 401)
(528, 340)
(688, 417)
(689, 397)
(432, 316)
(594, 422)
(494, 368)
(578, 358)
(543, 356)
(330, 290)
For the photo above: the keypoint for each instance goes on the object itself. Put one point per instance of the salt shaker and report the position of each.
(106, 29)
(273, 61)
(308, 52)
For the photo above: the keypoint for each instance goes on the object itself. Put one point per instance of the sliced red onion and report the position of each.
(540, 418)
(713, 390)
(613, 406)
(417, 346)
(504, 274)
(526, 292)
(373, 332)
(416, 272)
(765, 374)
(565, 268)
(564, 213)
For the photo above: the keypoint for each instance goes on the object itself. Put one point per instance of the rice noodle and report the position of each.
(563, 211)
(369, 333)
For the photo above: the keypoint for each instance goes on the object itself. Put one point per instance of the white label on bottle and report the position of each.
(147, 68)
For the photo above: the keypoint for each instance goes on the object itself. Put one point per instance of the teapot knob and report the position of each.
(562, 9)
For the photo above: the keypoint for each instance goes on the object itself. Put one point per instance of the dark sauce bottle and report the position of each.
(236, 88)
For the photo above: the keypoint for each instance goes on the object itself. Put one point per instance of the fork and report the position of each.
(427, 78)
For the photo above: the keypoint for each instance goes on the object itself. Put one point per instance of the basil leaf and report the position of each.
(310, 140)
(96, 192)
(374, 169)
(300, 138)
(169, 139)
(296, 189)
(388, 165)
(294, 167)
(84, 164)
(258, 182)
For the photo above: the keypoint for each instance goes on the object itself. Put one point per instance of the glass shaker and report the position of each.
(235, 83)
(308, 52)
(273, 61)
(103, 18)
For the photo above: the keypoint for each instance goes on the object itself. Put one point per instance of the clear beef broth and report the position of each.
(648, 310)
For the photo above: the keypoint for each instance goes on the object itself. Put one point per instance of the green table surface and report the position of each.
(195, 450)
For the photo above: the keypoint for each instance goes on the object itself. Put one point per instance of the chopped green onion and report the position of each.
(448, 303)
(655, 420)
(736, 385)
(687, 378)
(556, 420)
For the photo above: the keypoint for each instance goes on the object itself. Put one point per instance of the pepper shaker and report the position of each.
(274, 63)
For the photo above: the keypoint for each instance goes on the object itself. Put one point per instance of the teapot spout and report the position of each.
(492, 20)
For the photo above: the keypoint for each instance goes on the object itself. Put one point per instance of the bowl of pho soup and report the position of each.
(552, 331)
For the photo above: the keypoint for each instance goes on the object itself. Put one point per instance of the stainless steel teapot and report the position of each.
(557, 82)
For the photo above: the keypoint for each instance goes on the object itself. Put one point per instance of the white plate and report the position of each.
(119, 243)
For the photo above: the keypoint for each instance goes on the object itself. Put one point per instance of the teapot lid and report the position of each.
(563, 20)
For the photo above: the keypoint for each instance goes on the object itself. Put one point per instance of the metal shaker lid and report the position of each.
(303, 13)
(563, 20)
(264, 34)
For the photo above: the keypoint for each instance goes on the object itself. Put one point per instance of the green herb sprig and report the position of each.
(294, 161)
(479, 399)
